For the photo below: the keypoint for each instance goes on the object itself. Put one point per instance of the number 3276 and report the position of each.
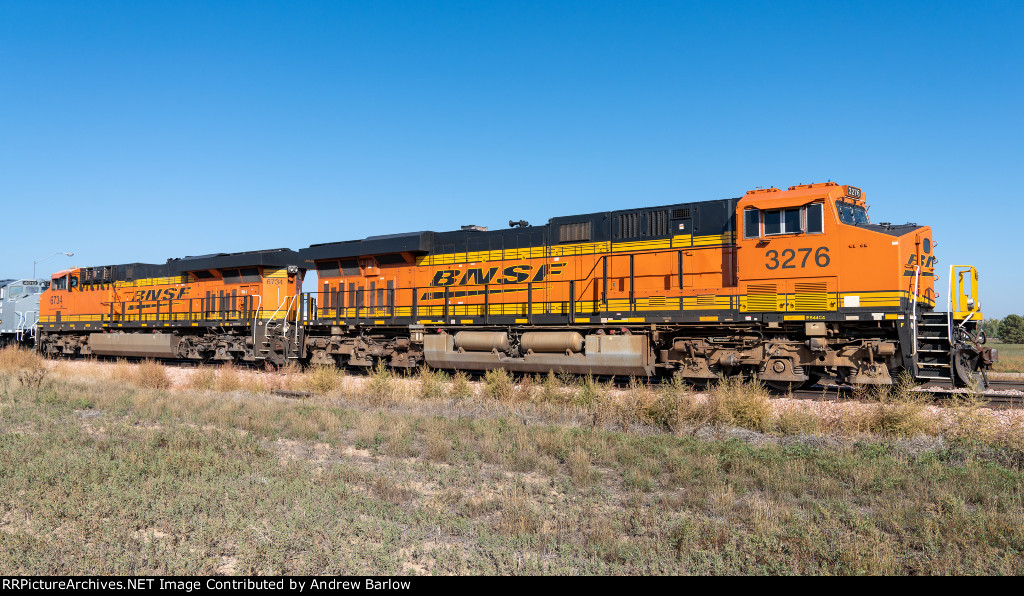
(789, 257)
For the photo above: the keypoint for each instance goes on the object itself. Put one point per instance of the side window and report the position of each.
(815, 221)
(787, 221)
(751, 223)
(772, 222)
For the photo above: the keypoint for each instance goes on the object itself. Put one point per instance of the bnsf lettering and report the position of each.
(168, 294)
(516, 274)
(444, 278)
(927, 262)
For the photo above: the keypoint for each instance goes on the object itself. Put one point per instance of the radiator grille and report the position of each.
(574, 232)
(762, 297)
(657, 223)
(627, 225)
(811, 296)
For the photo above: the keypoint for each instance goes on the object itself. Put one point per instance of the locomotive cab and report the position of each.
(811, 253)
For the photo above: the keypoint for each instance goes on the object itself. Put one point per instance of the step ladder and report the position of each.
(934, 359)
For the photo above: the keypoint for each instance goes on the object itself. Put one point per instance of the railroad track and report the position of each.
(1000, 393)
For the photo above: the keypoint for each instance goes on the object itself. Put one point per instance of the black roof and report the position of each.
(703, 218)
(278, 257)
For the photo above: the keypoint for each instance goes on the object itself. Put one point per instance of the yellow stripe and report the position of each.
(155, 281)
(682, 240)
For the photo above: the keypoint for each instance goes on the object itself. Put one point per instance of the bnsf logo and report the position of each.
(168, 294)
(925, 261)
(516, 274)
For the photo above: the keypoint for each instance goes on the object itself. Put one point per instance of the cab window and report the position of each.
(852, 214)
(17, 292)
(815, 219)
(782, 221)
(808, 219)
(60, 283)
(751, 223)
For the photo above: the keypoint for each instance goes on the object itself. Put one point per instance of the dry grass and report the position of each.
(580, 468)
(552, 388)
(322, 379)
(1009, 364)
(733, 401)
(517, 515)
(151, 375)
(460, 386)
(797, 420)
(380, 387)
(587, 391)
(500, 385)
(122, 372)
(326, 485)
(25, 367)
(1011, 357)
(203, 378)
(228, 378)
(13, 359)
(899, 410)
(433, 383)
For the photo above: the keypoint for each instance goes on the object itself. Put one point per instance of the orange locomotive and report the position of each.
(785, 286)
(224, 307)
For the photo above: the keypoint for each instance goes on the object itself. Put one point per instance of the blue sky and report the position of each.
(138, 131)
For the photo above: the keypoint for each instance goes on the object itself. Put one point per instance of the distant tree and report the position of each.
(1011, 329)
(991, 328)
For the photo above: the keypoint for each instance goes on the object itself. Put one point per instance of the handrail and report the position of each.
(298, 316)
(274, 316)
(255, 317)
(913, 316)
(290, 303)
